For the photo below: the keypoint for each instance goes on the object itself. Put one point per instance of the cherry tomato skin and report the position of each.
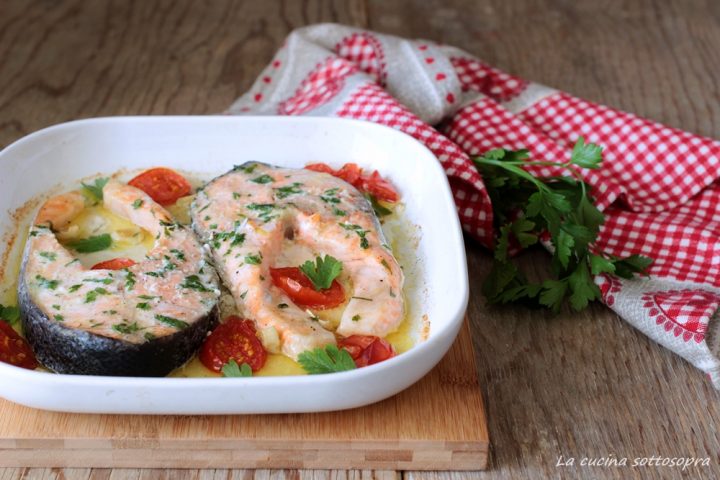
(380, 188)
(165, 186)
(14, 349)
(302, 292)
(320, 167)
(366, 349)
(351, 173)
(235, 339)
(114, 264)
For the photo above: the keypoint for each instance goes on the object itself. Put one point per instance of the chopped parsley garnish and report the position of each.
(92, 295)
(264, 210)
(351, 227)
(338, 212)
(356, 318)
(284, 192)
(282, 305)
(193, 282)
(52, 256)
(56, 307)
(232, 369)
(138, 203)
(59, 318)
(126, 328)
(168, 266)
(179, 254)
(330, 196)
(236, 195)
(235, 238)
(328, 359)
(95, 189)
(322, 272)
(246, 168)
(92, 244)
(148, 297)
(104, 281)
(157, 274)
(71, 262)
(129, 279)
(213, 226)
(173, 322)
(149, 336)
(386, 265)
(243, 295)
(143, 306)
(253, 259)
(263, 179)
(9, 314)
(45, 283)
(74, 288)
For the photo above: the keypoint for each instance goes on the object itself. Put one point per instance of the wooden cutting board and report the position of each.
(437, 424)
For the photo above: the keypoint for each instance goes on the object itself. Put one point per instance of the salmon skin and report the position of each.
(258, 217)
(145, 320)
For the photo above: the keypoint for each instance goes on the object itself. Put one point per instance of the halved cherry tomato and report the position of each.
(235, 339)
(114, 264)
(165, 186)
(14, 349)
(351, 173)
(302, 292)
(367, 349)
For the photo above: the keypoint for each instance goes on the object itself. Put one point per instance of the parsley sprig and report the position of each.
(322, 272)
(9, 314)
(526, 206)
(232, 369)
(328, 359)
(95, 189)
(91, 244)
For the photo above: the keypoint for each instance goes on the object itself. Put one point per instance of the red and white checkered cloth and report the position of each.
(657, 185)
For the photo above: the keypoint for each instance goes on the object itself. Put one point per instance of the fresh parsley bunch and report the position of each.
(526, 206)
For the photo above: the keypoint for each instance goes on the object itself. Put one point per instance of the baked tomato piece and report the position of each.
(235, 339)
(320, 167)
(14, 349)
(302, 292)
(373, 184)
(114, 264)
(165, 186)
(380, 188)
(367, 349)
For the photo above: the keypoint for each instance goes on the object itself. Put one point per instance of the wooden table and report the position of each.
(573, 385)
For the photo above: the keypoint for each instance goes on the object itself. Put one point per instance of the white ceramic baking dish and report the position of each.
(64, 153)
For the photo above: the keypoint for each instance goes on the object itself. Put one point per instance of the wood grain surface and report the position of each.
(437, 424)
(574, 385)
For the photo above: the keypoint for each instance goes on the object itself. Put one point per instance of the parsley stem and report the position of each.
(510, 166)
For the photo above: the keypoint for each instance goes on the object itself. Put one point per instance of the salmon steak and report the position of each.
(258, 218)
(143, 320)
